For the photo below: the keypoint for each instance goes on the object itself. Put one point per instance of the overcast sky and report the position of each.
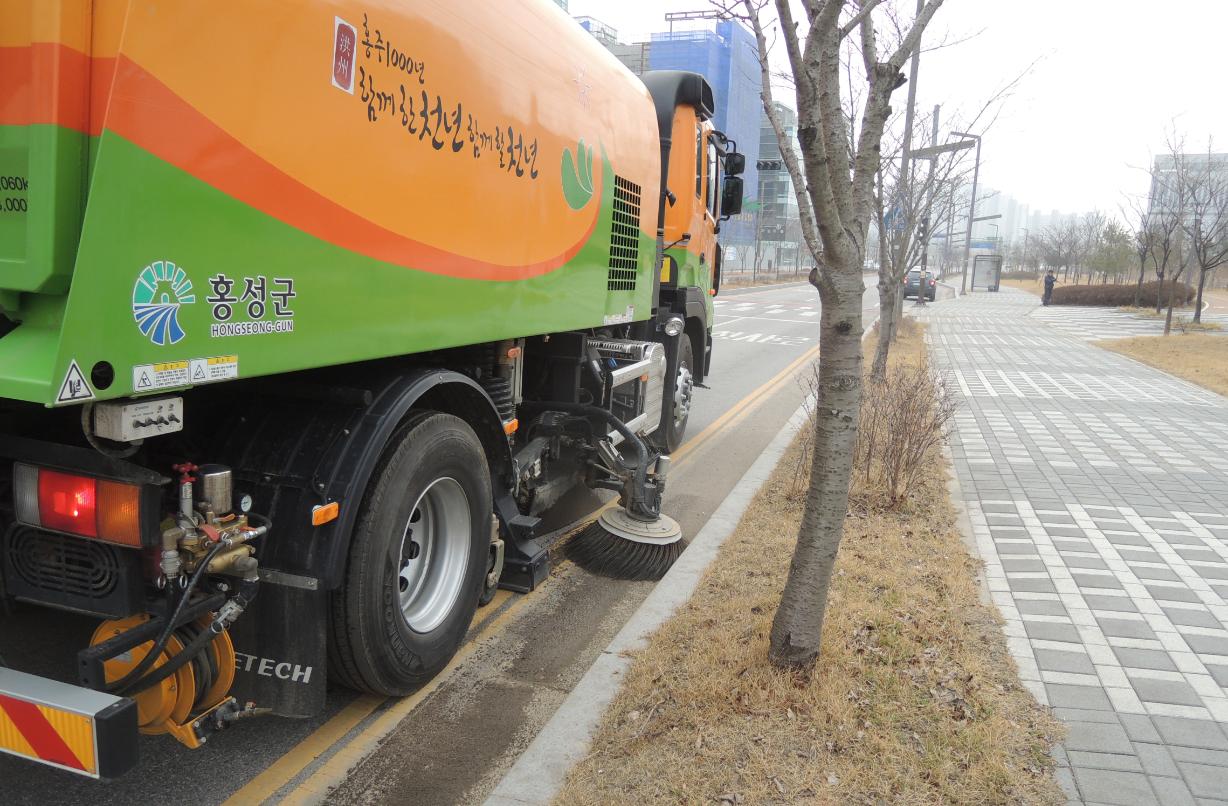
(1112, 77)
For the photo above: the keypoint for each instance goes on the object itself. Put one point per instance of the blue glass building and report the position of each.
(728, 58)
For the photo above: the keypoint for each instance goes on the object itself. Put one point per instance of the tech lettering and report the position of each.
(268, 667)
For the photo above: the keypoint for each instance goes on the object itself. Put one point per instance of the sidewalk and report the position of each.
(1098, 492)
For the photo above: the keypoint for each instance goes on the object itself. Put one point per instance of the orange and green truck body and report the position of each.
(296, 226)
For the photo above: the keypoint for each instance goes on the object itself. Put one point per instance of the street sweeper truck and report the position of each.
(307, 310)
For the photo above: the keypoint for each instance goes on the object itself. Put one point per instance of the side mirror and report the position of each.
(731, 196)
(735, 163)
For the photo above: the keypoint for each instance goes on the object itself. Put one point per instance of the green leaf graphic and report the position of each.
(577, 176)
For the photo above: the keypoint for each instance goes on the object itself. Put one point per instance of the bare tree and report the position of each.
(1208, 229)
(834, 178)
(1175, 185)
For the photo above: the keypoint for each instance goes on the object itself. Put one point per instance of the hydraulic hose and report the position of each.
(171, 624)
(247, 592)
(636, 506)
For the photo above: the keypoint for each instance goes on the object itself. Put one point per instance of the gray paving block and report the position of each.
(1139, 728)
(1031, 585)
(1172, 792)
(1222, 590)
(1183, 540)
(1216, 572)
(1029, 564)
(1040, 607)
(1204, 780)
(1051, 660)
(1144, 659)
(1172, 692)
(1160, 574)
(1218, 673)
(1093, 698)
(1207, 644)
(1015, 548)
(1086, 581)
(1198, 755)
(1084, 715)
(1156, 759)
(1115, 788)
(1097, 737)
(1128, 540)
(1192, 618)
(1125, 762)
(1125, 628)
(1172, 594)
(1200, 555)
(1086, 562)
(1058, 530)
(1178, 731)
(1120, 604)
(1136, 556)
(1073, 545)
(1048, 631)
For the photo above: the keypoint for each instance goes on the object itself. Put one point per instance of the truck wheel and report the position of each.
(676, 407)
(417, 558)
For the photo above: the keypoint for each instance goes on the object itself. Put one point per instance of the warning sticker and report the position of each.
(619, 318)
(151, 377)
(75, 388)
(217, 368)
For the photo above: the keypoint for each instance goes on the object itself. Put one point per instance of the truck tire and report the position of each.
(417, 558)
(676, 404)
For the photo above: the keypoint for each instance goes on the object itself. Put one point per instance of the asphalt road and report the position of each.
(451, 742)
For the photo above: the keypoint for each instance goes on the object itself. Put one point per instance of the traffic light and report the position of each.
(924, 229)
(768, 165)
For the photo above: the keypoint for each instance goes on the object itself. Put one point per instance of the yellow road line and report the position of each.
(743, 405)
(292, 763)
(482, 612)
(337, 767)
(297, 758)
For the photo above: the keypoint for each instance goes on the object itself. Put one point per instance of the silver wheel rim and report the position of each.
(684, 388)
(434, 555)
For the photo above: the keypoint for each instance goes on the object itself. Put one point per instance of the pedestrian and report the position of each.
(1050, 279)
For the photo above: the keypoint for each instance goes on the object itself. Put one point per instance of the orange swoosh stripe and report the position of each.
(45, 82)
(146, 112)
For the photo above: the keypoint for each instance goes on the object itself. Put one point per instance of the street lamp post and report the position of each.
(976, 171)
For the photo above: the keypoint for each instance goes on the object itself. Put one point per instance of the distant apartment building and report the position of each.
(633, 56)
(561, 4)
(1188, 183)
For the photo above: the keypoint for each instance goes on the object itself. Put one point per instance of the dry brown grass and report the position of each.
(764, 278)
(1197, 358)
(1031, 286)
(915, 699)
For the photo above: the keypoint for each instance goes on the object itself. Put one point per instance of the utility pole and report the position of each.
(925, 222)
(905, 177)
(976, 172)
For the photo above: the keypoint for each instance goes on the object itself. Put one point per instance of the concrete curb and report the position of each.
(538, 774)
(563, 742)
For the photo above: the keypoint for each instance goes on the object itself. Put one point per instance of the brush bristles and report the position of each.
(608, 555)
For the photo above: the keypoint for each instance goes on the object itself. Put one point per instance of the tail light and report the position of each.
(79, 505)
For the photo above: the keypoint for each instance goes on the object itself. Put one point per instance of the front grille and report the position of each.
(72, 573)
(625, 236)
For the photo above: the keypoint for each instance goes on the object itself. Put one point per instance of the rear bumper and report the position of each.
(67, 727)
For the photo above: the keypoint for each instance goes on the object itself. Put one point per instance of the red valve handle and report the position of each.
(184, 470)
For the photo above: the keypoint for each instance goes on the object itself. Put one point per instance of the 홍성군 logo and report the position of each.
(160, 289)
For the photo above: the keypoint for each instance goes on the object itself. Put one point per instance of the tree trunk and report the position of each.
(1172, 293)
(886, 327)
(1202, 281)
(797, 628)
(1138, 291)
(1160, 293)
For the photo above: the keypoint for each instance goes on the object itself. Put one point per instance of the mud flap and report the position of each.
(280, 652)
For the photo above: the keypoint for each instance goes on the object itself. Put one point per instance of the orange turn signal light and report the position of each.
(510, 426)
(321, 515)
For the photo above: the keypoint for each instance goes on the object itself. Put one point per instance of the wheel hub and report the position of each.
(684, 388)
(434, 555)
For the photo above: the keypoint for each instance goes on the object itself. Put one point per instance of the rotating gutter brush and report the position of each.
(634, 542)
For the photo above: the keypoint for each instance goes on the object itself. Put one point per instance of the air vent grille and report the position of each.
(625, 236)
(61, 564)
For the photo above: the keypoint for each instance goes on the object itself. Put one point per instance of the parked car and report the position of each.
(913, 283)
